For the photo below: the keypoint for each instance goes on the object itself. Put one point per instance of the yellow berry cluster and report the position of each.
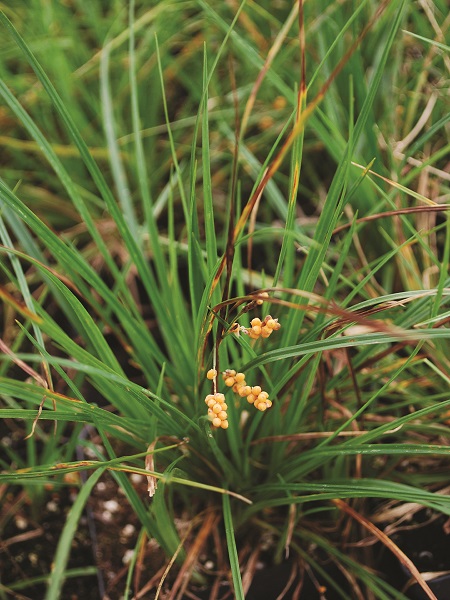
(217, 410)
(255, 395)
(262, 328)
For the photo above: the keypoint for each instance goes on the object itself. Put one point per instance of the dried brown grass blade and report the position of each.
(394, 213)
(19, 307)
(32, 373)
(183, 578)
(386, 540)
(150, 466)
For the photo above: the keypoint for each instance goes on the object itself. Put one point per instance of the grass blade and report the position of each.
(232, 550)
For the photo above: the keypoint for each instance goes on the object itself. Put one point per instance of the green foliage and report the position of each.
(129, 252)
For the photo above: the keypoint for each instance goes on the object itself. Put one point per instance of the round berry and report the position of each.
(255, 322)
(271, 323)
(261, 296)
(229, 381)
(217, 408)
(216, 422)
(239, 377)
(245, 390)
(224, 424)
(222, 415)
(251, 398)
(256, 389)
(211, 374)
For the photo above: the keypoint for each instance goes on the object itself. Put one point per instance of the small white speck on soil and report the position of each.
(52, 506)
(136, 478)
(107, 516)
(128, 530)
(127, 557)
(111, 505)
(21, 523)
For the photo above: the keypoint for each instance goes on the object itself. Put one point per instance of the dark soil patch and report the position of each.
(106, 538)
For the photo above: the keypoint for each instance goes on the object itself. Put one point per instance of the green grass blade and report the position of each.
(58, 574)
(232, 550)
(117, 167)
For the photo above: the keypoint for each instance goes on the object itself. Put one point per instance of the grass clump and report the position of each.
(200, 195)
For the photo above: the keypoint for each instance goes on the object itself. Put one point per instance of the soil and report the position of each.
(106, 537)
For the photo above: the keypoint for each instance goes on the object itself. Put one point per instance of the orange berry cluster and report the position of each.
(217, 410)
(255, 395)
(262, 328)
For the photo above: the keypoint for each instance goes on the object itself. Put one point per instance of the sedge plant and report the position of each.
(225, 247)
